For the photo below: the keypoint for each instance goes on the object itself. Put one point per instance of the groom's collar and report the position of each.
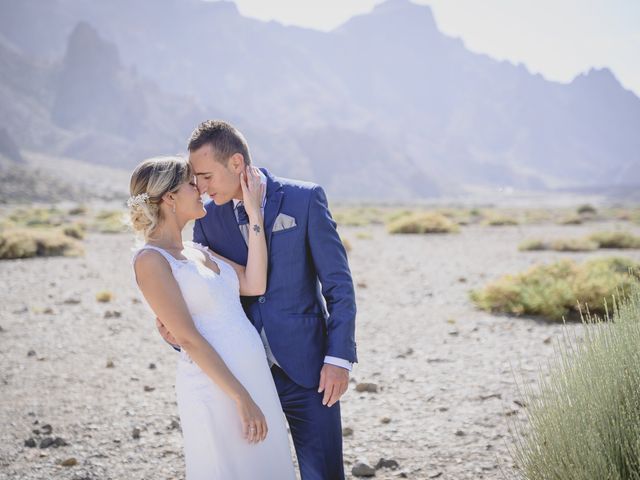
(273, 184)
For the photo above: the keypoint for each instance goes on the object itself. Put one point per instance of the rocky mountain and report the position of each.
(384, 107)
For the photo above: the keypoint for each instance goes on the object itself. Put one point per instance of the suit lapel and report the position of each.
(230, 224)
(272, 207)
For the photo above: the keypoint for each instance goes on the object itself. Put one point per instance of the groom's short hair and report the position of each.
(225, 139)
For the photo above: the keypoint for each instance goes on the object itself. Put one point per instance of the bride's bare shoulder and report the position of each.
(148, 261)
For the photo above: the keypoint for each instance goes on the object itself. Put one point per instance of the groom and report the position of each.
(306, 317)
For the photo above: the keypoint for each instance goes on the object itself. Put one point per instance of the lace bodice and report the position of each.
(213, 299)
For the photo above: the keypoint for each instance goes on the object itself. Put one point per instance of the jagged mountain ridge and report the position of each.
(452, 118)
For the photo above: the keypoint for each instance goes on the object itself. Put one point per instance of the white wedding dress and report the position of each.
(214, 445)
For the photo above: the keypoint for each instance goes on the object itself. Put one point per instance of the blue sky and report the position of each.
(557, 38)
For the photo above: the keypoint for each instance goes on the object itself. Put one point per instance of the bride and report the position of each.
(232, 422)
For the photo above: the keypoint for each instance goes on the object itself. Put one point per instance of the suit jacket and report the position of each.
(308, 310)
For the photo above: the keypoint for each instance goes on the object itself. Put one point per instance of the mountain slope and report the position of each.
(386, 92)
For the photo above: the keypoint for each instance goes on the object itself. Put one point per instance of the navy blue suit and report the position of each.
(308, 310)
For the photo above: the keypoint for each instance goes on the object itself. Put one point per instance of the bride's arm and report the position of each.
(253, 277)
(160, 289)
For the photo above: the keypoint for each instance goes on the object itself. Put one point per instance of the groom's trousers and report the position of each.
(315, 428)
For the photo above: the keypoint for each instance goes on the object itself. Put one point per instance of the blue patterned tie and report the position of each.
(243, 218)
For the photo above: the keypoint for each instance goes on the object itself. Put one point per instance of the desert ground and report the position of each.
(97, 375)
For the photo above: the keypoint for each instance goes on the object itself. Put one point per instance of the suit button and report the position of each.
(262, 299)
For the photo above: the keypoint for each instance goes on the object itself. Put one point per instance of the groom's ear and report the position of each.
(236, 163)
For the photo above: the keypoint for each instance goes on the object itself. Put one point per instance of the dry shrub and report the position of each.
(573, 245)
(110, 221)
(104, 296)
(358, 216)
(364, 236)
(622, 240)
(533, 245)
(426, 222)
(500, 221)
(347, 244)
(78, 210)
(553, 291)
(76, 230)
(615, 240)
(586, 210)
(571, 220)
(37, 242)
(36, 217)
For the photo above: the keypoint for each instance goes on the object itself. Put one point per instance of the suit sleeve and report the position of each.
(330, 260)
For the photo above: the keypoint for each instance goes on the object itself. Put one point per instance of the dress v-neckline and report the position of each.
(188, 260)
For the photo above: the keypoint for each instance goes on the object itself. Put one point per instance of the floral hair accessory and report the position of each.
(137, 199)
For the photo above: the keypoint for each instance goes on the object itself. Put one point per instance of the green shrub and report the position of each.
(552, 291)
(37, 242)
(615, 240)
(426, 222)
(584, 423)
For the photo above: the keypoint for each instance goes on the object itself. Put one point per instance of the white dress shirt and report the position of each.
(244, 229)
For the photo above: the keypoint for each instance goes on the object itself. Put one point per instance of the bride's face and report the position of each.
(188, 201)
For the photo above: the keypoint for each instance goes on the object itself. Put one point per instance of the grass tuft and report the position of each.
(584, 422)
(104, 296)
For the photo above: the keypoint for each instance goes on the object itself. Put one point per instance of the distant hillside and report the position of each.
(383, 107)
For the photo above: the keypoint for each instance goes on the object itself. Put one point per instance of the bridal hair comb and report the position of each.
(137, 199)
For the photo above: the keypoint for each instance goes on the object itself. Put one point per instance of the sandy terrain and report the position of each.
(446, 391)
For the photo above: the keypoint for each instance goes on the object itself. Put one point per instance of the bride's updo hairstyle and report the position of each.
(149, 182)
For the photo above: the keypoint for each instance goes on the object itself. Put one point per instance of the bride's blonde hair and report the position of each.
(150, 180)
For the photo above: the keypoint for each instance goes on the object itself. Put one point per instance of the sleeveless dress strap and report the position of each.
(170, 258)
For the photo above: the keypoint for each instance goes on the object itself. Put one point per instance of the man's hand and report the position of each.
(334, 381)
(166, 334)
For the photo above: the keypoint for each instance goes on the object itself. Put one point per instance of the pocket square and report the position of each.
(283, 222)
